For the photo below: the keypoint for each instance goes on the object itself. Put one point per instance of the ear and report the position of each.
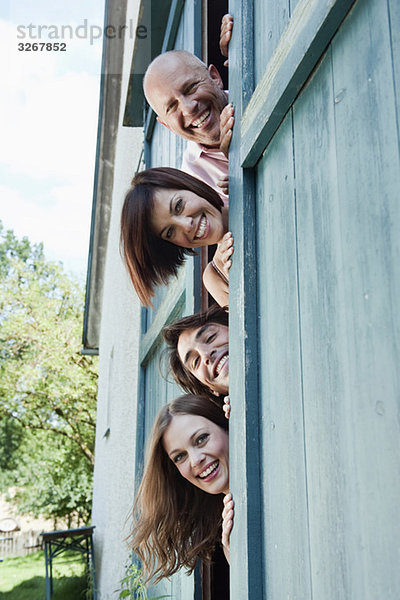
(214, 74)
(162, 123)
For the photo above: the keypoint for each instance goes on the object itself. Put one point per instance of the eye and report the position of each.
(178, 457)
(169, 233)
(202, 438)
(178, 206)
(196, 362)
(191, 87)
(171, 107)
(210, 338)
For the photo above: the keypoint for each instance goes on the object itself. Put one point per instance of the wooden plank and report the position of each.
(157, 391)
(322, 326)
(171, 304)
(246, 577)
(270, 21)
(152, 19)
(348, 186)
(284, 491)
(174, 19)
(309, 31)
(366, 122)
(394, 28)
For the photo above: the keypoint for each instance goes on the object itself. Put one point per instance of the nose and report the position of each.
(186, 224)
(188, 105)
(196, 457)
(207, 355)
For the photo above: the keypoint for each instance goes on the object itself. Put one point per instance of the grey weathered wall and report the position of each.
(118, 372)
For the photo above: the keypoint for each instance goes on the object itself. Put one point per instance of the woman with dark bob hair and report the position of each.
(167, 213)
(179, 513)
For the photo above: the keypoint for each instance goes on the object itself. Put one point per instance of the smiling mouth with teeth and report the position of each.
(199, 122)
(220, 364)
(209, 470)
(201, 228)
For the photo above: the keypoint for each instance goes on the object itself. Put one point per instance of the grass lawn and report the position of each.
(24, 578)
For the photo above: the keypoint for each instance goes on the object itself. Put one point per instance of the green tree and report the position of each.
(46, 384)
(53, 479)
(11, 438)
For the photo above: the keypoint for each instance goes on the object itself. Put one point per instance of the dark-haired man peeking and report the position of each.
(198, 348)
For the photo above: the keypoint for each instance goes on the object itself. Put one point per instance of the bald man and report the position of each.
(189, 99)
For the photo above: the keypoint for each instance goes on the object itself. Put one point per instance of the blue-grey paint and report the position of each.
(326, 186)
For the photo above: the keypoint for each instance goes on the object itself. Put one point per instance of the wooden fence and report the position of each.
(20, 543)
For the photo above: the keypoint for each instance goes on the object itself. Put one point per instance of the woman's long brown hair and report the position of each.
(175, 523)
(150, 260)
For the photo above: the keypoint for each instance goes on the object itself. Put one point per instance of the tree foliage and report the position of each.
(53, 479)
(46, 384)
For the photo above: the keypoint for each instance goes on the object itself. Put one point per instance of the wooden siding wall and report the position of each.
(327, 192)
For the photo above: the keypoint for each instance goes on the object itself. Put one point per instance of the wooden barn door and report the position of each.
(314, 353)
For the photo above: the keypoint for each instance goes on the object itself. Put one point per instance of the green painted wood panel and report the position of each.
(284, 486)
(394, 29)
(323, 326)
(187, 37)
(327, 328)
(309, 31)
(246, 576)
(347, 187)
(270, 20)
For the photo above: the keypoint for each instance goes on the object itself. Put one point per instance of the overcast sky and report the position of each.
(48, 123)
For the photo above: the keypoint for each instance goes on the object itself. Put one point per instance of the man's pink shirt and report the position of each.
(207, 164)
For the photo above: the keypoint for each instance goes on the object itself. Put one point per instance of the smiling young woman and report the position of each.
(167, 213)
(180, 513)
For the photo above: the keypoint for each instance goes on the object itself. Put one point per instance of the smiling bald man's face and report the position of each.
(187, 97)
